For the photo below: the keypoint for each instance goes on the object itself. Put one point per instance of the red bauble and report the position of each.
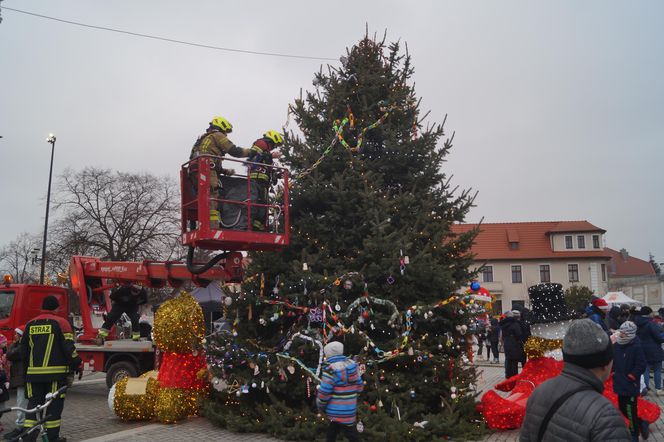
(365, 314)
(373, 408)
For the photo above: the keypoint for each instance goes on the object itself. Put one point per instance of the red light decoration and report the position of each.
(181, 371)
(508, 413)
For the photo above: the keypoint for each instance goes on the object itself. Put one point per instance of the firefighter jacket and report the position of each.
(48, 349)
(216, 143)
(260, 153)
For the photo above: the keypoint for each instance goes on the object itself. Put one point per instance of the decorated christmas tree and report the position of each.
(372, 263)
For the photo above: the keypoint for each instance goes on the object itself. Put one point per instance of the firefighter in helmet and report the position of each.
(124, 299)
(215, 142)
(262, 152)
(48, 350)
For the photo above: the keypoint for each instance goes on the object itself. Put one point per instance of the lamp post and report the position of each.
(51, 141)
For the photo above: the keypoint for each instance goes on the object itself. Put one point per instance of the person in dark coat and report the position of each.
(480, 333)
(124, 299)
(521, 316)
(629, 363)
(492, 339)
(512, 343)
(614, 317)
(651, 341)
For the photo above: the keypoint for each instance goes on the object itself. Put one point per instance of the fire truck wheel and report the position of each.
(119, 370)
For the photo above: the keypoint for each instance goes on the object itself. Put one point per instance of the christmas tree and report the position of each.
(372, 263)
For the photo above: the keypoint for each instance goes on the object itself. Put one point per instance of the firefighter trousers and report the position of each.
(117, 309)
(36, 393)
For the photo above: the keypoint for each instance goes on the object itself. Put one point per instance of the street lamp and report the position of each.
(51, 141)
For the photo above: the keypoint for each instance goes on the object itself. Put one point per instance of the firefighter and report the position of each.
(124, 299)
(261, 152)
(50, 357)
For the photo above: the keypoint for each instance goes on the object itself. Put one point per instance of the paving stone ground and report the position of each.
(88, 418)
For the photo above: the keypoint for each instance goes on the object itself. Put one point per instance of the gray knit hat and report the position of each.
(333, 349)
(628, 331)
(587, 345)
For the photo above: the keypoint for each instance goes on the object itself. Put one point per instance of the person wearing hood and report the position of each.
(513, 338)
(597, 313)
(340, 385)
(651, 341)
(629, 363)
(614, 318)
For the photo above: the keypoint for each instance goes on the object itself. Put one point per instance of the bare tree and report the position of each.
(19, 258)
(115, 216)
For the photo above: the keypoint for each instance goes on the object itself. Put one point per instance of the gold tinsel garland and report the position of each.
(130, 407)
(174, 404)
(536, 347)
(179, 326)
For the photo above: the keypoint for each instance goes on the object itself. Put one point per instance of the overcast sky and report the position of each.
(558, 107)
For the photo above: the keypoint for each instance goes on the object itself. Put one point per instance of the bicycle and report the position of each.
(41, 417)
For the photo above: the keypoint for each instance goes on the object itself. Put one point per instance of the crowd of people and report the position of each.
(509, 333)
(622, 340)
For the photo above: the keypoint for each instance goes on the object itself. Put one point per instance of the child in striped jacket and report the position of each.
(340, 385)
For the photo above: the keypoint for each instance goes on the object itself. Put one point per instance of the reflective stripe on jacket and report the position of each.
(48, 349)
(217, 143)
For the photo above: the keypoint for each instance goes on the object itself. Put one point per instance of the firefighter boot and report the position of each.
(101, 335)
(215, 219)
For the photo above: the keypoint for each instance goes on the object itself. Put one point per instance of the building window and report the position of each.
(545, 273)
(603, 272)
(514, 245)
(487, 273)
(595, 241)
(516, 274)
(573, 271)
(581, 241)
(497, 307)
(568, 242)
(518, 305)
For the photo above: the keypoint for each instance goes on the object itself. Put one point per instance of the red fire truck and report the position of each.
(90, 279)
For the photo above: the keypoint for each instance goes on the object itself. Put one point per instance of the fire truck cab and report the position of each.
(19, 303)
(88, 300)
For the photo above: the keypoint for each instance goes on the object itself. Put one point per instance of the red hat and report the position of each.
(600, 304)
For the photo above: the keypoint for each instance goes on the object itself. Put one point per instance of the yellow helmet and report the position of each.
(275, 136)
(222, 124)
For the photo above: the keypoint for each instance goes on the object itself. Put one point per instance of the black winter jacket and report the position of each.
(629, 363)
(613, 318)
(493, 335)
(651, 339)
(513, 338)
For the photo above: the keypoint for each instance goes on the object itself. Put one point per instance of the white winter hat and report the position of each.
(333, 349)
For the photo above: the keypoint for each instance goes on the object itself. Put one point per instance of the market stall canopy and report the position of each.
(619, 298)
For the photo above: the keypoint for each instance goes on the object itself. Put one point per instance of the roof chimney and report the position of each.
(624, 254)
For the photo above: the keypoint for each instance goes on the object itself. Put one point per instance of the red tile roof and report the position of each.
(492, 243)
(619, 266)
(575, 226)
